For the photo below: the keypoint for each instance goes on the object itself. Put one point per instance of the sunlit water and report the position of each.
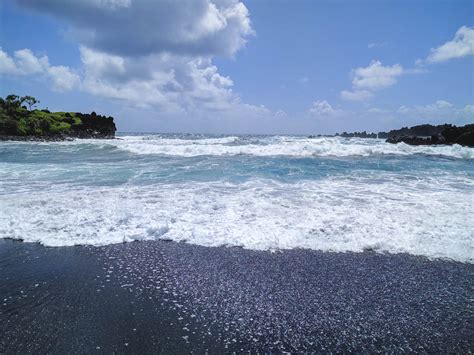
(273, 192)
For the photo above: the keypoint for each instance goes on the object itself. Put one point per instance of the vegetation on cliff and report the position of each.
(19, 120)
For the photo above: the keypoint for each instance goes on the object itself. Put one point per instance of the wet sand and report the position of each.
(167, 297)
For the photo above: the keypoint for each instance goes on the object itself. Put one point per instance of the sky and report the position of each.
(256, 66)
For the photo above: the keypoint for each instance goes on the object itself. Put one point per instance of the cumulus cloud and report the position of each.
(171, 82)
(143, 27)
(376, 76)
(63, 78)
(24, 62)
(461, 45)
(323, 108)
(154, 53)
(168, 82)
(368, 79)
(7, 65)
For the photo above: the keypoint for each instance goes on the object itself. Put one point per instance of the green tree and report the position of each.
(29, 100)
(13, 101)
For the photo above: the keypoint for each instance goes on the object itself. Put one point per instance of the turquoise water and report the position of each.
(259, 192)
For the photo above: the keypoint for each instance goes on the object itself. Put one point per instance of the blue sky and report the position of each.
(261, 66)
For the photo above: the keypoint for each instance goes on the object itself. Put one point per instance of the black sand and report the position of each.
(165, 297)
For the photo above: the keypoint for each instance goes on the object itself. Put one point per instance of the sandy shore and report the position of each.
(169, 297)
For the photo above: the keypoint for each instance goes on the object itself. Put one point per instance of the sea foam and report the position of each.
(331, 215)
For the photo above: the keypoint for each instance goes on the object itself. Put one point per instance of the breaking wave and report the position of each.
(241, 191)
(287, 146)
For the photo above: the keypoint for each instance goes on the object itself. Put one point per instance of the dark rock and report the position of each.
(448, 135)
(43, 138)
(412, 140)
(363, 134)
(425, 130)
(94, 126)
(466, 138)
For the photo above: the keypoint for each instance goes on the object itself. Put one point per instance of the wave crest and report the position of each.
(283, 146)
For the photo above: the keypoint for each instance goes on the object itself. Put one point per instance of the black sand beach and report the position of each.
(166, 297)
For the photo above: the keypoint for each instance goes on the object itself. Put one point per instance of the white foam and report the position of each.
(179, 141)
(429, 217)
(264, 146)
(287, 146)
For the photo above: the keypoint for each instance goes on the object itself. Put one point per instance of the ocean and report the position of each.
(256, 192)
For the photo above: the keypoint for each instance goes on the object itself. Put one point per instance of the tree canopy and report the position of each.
(15, 101)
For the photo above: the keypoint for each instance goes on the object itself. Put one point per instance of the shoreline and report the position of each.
(48, 138)
(153, 296)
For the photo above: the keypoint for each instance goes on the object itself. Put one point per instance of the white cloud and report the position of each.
(323, 108)
(25, 63)
(368, 79)
(7, 65)
(376, 76)
(469, 110)
(356, 95)
(63, 78)
(461, 45)
(170, 82)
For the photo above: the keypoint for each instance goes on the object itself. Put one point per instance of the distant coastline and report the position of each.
(425, 134)
(19, 121)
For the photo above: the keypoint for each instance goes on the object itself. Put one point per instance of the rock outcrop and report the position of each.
(93, 126)
(424, 130)
(19, 123)
(363, 134)
(448, 135)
